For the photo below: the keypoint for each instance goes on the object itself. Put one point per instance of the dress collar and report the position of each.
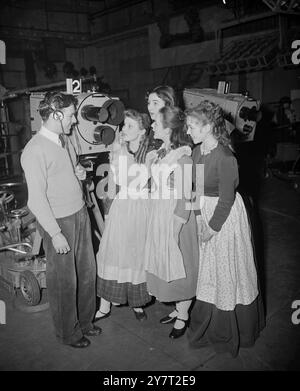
(163, 151)
(206, 151)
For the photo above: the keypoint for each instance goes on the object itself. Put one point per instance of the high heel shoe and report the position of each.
(177, 333)
(140, 315)
(168, 319)
(105, 315)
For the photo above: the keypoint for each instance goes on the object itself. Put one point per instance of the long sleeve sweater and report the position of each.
(220, 180)
(53, 189)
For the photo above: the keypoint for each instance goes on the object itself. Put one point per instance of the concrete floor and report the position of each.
(27, 341)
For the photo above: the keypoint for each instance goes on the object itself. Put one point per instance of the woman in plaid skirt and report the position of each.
(120, 259)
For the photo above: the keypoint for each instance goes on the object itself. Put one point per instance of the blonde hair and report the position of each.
(142, 119)
(144, 122)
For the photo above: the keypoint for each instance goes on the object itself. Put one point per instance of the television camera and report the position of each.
(98, 120)
(240, 110)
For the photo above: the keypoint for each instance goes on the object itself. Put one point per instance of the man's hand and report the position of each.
(60, 244)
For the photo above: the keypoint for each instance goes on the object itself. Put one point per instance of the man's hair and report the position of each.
(55, 101)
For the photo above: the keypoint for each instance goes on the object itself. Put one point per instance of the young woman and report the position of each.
(228, 313)
(120, 259)
(159, 97)
(171, 248)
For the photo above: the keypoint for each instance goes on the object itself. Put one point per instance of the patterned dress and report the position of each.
(228, 311)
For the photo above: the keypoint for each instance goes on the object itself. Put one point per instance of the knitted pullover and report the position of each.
(53, 189)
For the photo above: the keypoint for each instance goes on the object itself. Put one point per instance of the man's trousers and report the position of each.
(71, 278)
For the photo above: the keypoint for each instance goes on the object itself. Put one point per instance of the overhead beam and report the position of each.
(276, 7)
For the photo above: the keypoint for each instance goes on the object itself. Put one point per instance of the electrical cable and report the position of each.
(87, 202)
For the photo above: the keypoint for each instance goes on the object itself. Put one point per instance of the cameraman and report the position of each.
(55, 198)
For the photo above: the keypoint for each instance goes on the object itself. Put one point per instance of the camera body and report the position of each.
(98, 120)
(240, 111)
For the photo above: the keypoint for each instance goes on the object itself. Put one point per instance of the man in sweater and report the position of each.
(55, 198)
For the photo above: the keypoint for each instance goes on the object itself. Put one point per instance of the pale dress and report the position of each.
(171, 267)
(121, 255)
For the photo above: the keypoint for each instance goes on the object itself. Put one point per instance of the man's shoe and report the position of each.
(177, 333)
(94, 332)
(140, 315)
(81, 343)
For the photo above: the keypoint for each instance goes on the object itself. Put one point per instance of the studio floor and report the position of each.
(27, 341)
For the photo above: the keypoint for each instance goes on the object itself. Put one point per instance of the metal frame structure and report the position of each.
(291, 7)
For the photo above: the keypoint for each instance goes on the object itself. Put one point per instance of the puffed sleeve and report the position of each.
(183, 186)
(228, 180)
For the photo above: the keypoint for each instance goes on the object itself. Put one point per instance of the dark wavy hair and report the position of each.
(174, 118)
(210, 113)
(55, 101)
(166, 93)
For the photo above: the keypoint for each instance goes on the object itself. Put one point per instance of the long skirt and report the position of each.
(121, 255)
(226, 331)
(162, 250)
(135, 295)
(228, 312)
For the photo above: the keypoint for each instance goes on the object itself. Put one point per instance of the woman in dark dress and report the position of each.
(228, 312)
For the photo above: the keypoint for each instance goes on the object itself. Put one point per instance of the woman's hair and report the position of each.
(210, 113)
(174, 119)
(166, 93)
(142, 119)
(144, 122)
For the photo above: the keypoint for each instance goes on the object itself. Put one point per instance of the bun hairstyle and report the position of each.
(210, 113)
(174, 119)
(54, 102)
(166, 93)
